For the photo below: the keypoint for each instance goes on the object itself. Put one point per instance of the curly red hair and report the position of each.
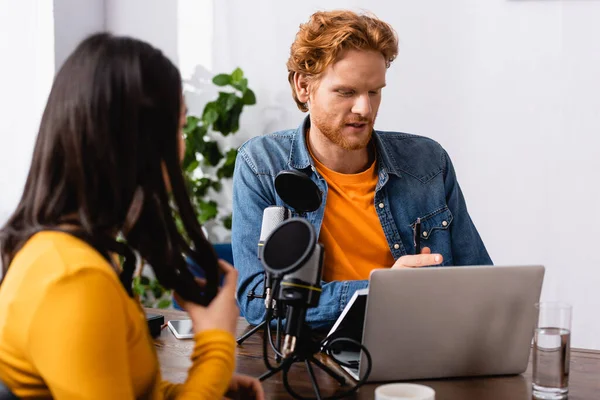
(320, 41)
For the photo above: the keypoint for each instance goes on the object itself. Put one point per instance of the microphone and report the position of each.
(291, 253)
(272, 217)
(301, 287)
(298, 191)
(301, 290)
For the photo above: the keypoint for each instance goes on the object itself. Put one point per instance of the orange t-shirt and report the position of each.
(351, 232)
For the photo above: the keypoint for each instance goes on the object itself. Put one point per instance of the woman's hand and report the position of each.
(223, 312)
(244, 387)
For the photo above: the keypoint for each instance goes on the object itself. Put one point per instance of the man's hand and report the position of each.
(244, 387)
(419, 260)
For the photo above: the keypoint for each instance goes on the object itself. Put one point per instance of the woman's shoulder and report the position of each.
(50, 255)
(56, 268)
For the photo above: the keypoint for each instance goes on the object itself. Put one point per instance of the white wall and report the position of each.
(73, 21)
(37, 36)
(26, 71)
(152, 20)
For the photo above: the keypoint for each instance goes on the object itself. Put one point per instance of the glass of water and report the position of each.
(551, 351)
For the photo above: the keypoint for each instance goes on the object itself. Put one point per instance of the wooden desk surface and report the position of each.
(174, 355)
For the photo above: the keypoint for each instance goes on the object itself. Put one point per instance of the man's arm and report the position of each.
(467, 246)
(252, 193)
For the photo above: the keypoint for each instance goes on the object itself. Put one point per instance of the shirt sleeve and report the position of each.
(213, 364)
(467, 246)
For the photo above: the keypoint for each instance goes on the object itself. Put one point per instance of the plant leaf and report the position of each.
(225, 102)
(188, 158)
(217, 186)
(192, 166)
(196, 139)
(226, 170)
(191, 123)
(231, 155)
(237, 75)
(242, 85)
(210, 113)
(249, 98)
(164, 303)
(212, 154)
(138, 288)
(227, 221)
(231, 122)
(231, 101)
(207, 210)
(222, 80)
(201, 187)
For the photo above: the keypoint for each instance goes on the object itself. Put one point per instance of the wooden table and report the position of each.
(174, 360)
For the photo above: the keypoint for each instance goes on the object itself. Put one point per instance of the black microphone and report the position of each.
(291, 253)
(301, 290)
(301, 286)
(298, 191)
(272, 217)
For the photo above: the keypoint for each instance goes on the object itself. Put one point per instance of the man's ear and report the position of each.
(302, 86)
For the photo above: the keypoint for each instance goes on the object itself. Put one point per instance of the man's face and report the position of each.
(344, 102)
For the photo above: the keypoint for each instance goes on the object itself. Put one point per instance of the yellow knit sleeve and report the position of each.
(78, 338)
(213, 364)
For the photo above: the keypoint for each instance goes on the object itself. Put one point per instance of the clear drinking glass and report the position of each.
(551, 351)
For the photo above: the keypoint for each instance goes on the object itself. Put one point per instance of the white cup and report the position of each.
(404, 391)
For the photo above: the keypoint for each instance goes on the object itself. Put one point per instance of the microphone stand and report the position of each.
(277, 312)
(305, 350)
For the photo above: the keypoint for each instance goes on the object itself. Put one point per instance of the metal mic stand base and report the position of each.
(304, 353)
(278, 313)
(246, 335)
(258, 327)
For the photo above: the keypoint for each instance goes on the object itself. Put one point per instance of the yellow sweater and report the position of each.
(68, 330)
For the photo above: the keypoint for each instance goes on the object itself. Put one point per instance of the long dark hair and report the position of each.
(109, 130)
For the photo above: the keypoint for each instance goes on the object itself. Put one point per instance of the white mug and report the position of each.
(404, 391)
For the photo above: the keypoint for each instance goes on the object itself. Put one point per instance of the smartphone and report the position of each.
(182, 328)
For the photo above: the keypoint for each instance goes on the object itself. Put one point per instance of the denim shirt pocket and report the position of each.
(435, 233)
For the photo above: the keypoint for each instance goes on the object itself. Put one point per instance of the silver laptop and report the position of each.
(440, 322)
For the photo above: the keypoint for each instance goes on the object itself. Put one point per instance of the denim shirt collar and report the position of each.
(300, 157)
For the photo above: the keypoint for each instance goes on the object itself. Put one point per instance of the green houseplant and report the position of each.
(205, 165)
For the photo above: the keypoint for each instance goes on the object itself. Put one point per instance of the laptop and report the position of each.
(441, 322)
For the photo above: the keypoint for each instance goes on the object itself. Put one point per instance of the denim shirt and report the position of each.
(415, 180)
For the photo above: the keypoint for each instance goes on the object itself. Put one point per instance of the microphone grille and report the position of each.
(272, 217)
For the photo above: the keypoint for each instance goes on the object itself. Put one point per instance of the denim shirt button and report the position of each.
(444, 223)
(396, 246)
(381, 205)
(425, 234)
